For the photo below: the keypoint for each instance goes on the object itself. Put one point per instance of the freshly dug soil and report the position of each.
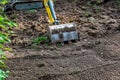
(95, 57)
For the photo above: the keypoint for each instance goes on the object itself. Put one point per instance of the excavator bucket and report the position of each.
(62, 32)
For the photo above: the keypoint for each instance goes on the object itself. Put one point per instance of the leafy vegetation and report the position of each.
(39, 40)
(5, 31)
(3, 1)
(118, 2)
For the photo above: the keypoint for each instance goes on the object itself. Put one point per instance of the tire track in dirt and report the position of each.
(109, 47)
(95, 73)
(61, 55)
(70, 64)
(83, 64)
(41, 67)
(105, 72)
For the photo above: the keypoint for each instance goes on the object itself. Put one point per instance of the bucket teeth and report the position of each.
(62, 32)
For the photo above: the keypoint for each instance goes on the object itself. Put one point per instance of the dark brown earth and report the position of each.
(95, 57)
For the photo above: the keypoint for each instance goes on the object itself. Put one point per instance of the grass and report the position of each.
(40, 40)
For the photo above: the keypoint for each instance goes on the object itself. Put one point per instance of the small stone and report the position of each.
(85, 40)
(101, 52)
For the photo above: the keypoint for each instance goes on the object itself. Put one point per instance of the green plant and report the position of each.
(39, 40)
(3, 1)
(97, 9)
(118, 2)
(94, 5)
(5, 31)
(30, 11)
(86, 13)
(3, 67)
(93, 2)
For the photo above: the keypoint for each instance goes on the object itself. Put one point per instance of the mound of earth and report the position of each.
(95, 57)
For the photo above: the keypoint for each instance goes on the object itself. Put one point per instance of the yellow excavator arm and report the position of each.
(47, 7)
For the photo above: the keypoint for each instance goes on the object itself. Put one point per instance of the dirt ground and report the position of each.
(95, 57)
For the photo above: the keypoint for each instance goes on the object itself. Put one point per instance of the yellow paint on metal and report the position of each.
(51, 19)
